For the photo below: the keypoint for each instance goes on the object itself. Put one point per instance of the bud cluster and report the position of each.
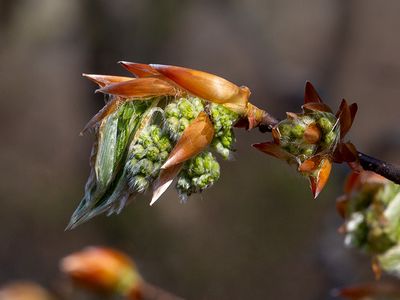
(199, 173)
(223, 120)
(137, 149)
(146, 157)
(179, 113)
(305, 135)
(372, 225)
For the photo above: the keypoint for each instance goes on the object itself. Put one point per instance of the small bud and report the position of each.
(138, 183)
(325, 124)
(285, 129)
(101, 269)
(24, 290)
(297, 131)
(171, 110)
(183, 123)
(198, 174)
(329, 139)
(152, 153)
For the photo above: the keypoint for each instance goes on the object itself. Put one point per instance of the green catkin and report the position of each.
(180, 113)
(146, 157)
(223, 120)
(198, 174)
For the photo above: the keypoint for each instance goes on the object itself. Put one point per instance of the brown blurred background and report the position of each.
(257, 234)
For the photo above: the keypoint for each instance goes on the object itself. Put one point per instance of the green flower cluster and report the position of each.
(135, 141)
(198, 174)
(146, 157)
(223, 120)
(180, 113)
(292, 133)
(372, 222)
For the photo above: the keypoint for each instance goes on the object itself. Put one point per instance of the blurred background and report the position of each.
(257, 234)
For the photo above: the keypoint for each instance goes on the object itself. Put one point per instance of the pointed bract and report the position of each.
(310, 94)
(164, 181)
(208, 86)
(140, 88)
(345, 118)
(313, 106)
(195, 138)
(104, 80)
(139, 70)
(108, 109)
(272, 149)
(318, 182)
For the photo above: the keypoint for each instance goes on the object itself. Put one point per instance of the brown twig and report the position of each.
(387, 170)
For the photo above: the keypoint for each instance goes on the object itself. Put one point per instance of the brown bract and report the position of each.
(195, 138)
(319, 166)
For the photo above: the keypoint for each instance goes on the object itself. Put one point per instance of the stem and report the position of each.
(387, 170)
(267, 123)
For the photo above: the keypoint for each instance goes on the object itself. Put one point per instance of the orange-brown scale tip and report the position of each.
(319, 181)
(139, 70)
(140, 88)
(104, 80)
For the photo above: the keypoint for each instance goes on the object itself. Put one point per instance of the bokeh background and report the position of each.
(257, 234)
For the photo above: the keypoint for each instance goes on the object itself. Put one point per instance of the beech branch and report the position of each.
(369, 163)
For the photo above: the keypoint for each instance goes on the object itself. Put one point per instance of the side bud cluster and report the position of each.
(308, 134)
(198, 174)
(371, 209)
(146, 157)
(180, 113)
(223, 120)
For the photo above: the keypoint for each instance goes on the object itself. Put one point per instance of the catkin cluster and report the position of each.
(198, 174)
(223, 120)
(180, 113)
